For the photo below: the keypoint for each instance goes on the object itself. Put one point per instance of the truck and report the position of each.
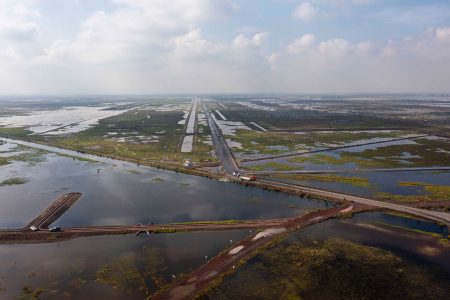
(247, 178)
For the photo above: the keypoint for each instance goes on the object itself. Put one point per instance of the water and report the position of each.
(117, 192)
(71, 269)
(386, 182)
(422, 257)
(128, 194)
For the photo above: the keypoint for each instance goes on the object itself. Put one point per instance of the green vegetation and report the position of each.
(13, 181)
(202, 152)
(299, 159)
(355, 181)
(334, 269)
(144, 136)
(434, 192)
(253, 141)
(424, 153)
(17, 132)
(272, 166)
(4, 161)
(28, 293)
(136, 273)
(158, 179)
(301, 119)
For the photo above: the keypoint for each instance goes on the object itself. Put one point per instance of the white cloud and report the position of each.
(335, 47)
(414, 64)
(18, 21)
(301, 43)
(146, 46)
(443, 34)
(256, 40)
(305, 12)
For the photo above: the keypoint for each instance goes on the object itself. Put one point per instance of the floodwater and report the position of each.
(389, 232)
(128, 194)
(128, 267)
(73, 269)
(384, 182)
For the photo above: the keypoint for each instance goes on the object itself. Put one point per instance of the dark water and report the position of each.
(67, 270)
(381, 182)
(122, 194)
(426, 253)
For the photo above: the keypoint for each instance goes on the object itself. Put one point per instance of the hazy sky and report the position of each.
(224, 46)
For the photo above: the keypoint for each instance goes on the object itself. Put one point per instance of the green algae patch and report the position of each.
(137, 273)
(13, 181)
(433, 192)
(423, 153)
(4, 161)
(355, 181)
(274, 166)
(17, 132)
(441, 192)
(29, 293)
(334, 269)
(157, 179)
(264, 142)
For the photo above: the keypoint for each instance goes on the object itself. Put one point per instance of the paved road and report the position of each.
(223, 152)
(440, 217)
(349, 170)
(229, 165)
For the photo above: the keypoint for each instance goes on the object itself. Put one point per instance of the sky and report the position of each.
(224, 46)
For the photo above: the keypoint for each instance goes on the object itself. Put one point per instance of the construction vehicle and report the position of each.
(247, 178)
(243, 176)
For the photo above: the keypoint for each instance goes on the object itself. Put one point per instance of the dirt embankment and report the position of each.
(212, 273)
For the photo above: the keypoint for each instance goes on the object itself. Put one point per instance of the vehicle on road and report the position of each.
(247, 178)
(34, 228)
(54, 229)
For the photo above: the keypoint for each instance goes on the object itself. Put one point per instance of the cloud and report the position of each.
(415, 64)
(305, 12)
(150, 46)
(257, 40)
(301, 43)
(17, 22)
(424, 14)
(443, 34)
(335, 47)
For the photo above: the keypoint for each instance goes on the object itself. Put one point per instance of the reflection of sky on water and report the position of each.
(121, 195)
(381, 182)
(58, 265)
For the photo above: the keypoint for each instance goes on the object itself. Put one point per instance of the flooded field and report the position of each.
(371, 256)
(129, 194)
(169, 131)
(372, 184)
(113, 267)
